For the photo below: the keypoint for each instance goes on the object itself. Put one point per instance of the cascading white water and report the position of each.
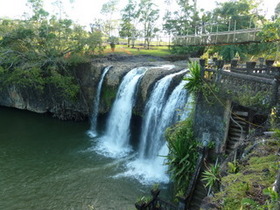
(115, 142)
(153, 116)
(170, 114)
(159, 114)
(93, 129)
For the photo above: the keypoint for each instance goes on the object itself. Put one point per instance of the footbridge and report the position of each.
(241, 36)
(207, 38)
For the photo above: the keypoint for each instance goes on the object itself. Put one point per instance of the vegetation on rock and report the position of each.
(182, 153)
(250, 187)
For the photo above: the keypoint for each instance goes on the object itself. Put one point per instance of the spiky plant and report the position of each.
(195, 82)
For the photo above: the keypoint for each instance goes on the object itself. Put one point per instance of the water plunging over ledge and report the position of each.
(161, 111)
(93, 129)
(163, 108)
(115, 142)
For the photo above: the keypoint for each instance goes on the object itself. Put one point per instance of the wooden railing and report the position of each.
(156, 203)
(192, 185)
(184, 202)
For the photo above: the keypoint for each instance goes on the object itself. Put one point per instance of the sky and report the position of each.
(85, 11)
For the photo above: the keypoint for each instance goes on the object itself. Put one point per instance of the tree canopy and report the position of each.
(39, 51)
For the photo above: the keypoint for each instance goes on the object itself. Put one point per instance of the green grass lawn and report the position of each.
(139, 50)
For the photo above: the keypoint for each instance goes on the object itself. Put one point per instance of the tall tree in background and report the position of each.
(148, 15)
(129, 18)
(240, 14)
(108, 10)
(235, 15)
(277, 11)
(184, 21)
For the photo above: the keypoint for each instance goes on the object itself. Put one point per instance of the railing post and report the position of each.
(202, 65)
(233, 63)
(182, 203)
(275, 87)
(220, 65)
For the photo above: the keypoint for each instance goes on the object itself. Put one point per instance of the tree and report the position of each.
(271, 32)
(277, 11)
(235, 15)
(184, 21)
(38, 11)
(129, 17)
(148, 15)
(108, 9)
(40, 51)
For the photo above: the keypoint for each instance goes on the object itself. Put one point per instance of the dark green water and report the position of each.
(48, 164)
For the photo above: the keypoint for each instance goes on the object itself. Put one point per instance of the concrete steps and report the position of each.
(199, 194)
(238, 129)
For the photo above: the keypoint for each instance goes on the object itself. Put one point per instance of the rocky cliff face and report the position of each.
(88, 76)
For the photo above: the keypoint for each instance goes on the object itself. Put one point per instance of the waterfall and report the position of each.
(153, 125)
(170, 114)
(160, 113)
(115, 142)
(93, 129)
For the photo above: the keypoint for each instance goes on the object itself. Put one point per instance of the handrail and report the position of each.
(235, 82)
(156, 203)
(192, 184)
(249, 77)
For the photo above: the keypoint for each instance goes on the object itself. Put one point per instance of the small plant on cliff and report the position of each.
(233, 167)
(182, 153)
(211, 177)
(195, 82)
(273, 201)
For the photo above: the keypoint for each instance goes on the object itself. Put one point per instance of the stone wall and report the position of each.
(212, 121)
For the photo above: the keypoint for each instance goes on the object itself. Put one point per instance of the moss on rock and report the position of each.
(257, 172)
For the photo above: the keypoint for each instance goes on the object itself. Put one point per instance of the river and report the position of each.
(50, 164)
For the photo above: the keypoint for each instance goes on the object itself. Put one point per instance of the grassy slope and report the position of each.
(257, 173)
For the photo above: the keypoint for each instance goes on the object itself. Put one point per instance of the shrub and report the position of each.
(195, 82)
(182, 153)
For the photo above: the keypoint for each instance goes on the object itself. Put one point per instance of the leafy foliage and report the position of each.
(250, 187)
(273, 202)
(182, 153)
(189, 50)
(40, 51)
(233, 167)
(148, 14)
(211, 176)
(194, 79)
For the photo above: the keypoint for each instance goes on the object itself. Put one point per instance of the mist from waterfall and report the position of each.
(93, 129)
(115, 142)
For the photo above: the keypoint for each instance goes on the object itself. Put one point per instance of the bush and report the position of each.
(195, 82)
(183, 154)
